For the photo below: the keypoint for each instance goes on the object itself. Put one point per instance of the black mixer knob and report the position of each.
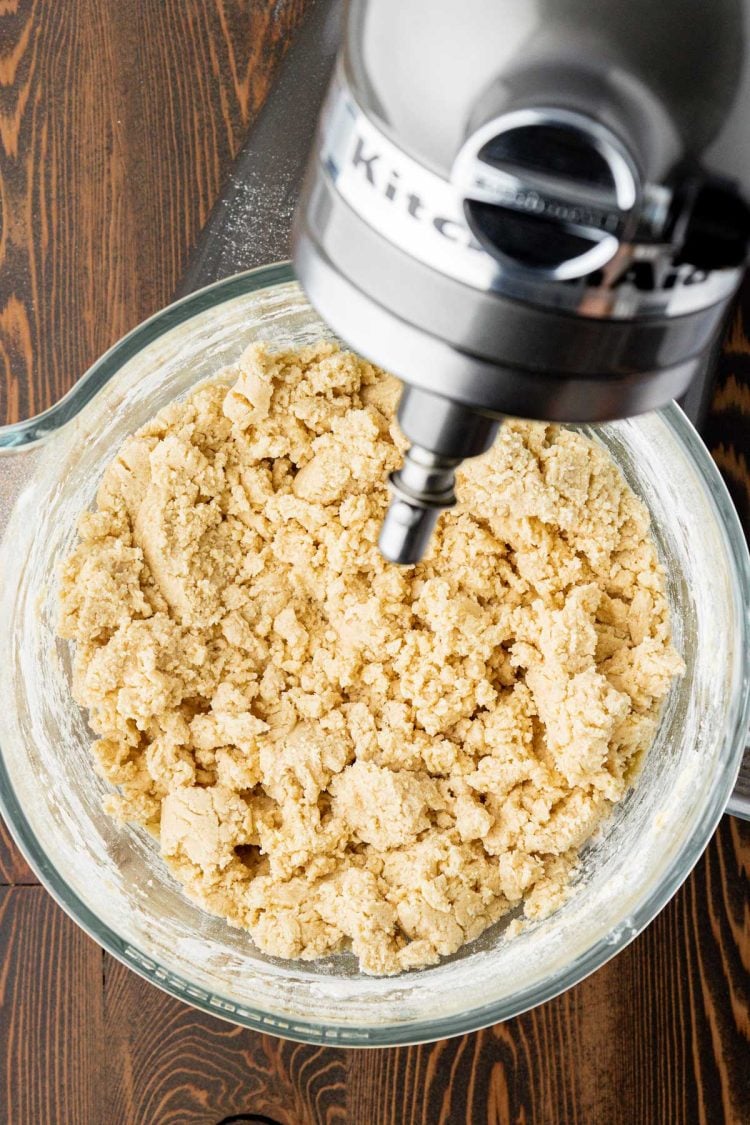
(548, 191)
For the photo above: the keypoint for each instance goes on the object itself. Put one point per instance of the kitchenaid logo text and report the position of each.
(649, 277)
(388, 184)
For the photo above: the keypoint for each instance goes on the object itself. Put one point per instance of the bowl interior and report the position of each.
(110, 877)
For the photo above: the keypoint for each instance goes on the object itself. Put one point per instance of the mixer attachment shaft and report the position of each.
(443, 434)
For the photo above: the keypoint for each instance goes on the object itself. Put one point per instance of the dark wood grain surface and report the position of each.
(118, 121)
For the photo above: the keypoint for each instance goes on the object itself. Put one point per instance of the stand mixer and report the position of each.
(530, 209)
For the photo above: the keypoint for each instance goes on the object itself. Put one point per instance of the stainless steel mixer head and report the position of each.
(527, 209)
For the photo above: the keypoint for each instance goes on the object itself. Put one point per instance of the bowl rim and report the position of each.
(419, 1031)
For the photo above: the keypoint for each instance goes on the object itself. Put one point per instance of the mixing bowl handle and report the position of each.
(21, 442)
(32, 431)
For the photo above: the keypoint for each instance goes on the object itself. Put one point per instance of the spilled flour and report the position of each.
(333, 751)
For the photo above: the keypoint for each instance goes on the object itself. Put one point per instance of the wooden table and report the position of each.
(118, 121)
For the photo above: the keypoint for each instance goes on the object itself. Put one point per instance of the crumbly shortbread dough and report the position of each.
(335, 751)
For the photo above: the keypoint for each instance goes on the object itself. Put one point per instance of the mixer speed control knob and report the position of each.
(549, 192)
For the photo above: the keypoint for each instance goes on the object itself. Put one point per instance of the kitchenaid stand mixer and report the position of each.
(531, 209)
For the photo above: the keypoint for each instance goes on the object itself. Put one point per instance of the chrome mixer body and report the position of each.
(531, 209)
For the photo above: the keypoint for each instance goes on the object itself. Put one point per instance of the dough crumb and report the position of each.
(336, 753)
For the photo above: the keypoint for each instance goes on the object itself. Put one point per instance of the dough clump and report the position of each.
(335, 752)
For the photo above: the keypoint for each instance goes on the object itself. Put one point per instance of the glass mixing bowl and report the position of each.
(110, 878)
